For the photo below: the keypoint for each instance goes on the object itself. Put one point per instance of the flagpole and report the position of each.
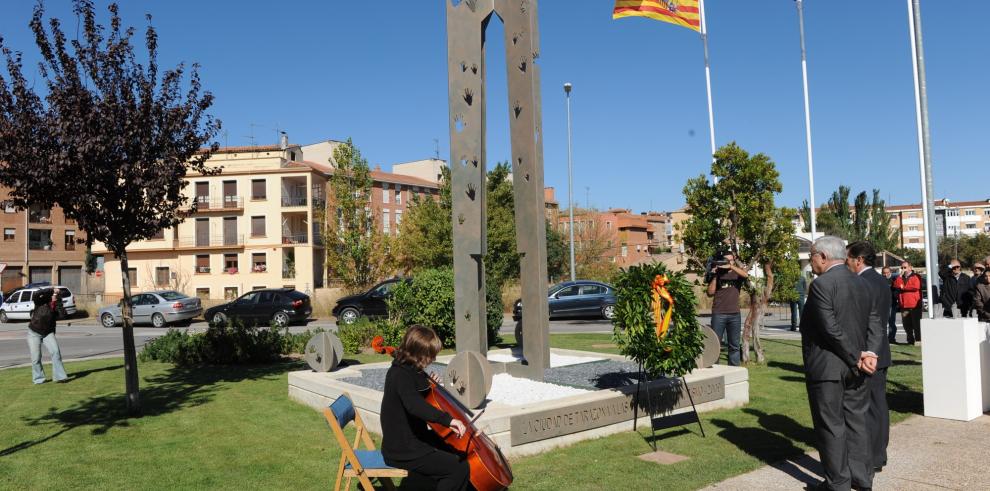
(807, 121)
(924, 147)
(708, 79)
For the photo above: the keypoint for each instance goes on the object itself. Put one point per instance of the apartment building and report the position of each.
(259, 224)
(952, 219)
(41, 245)
(622, 234)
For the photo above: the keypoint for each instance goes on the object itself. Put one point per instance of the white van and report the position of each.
(21, 303)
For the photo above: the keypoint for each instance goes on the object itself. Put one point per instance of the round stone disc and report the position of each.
(469, 378)
(712, 349)
(324, 351)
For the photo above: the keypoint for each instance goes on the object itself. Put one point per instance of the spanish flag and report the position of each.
(681, 12)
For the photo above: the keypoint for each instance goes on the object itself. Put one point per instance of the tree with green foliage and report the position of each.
(557, 254)
(358, 252)
(426, 239)
(865, 219)
(738, 213)
(109, 138)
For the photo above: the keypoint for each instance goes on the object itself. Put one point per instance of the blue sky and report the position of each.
(376, 72)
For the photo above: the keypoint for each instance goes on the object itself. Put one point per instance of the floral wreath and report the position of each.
(655, 320)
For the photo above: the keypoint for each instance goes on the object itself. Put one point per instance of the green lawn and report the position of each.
(236, 428)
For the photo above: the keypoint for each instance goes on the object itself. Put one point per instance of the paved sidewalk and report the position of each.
(924, 454)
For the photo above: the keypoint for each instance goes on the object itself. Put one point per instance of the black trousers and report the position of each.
(839, 412)
(878, 417)
(912, 323)
(445, 470)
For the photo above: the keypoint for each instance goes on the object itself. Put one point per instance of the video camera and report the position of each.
(712, 264)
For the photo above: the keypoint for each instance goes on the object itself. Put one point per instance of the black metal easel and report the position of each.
(663, 422)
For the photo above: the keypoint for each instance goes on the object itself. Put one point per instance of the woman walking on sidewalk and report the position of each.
(41, 330)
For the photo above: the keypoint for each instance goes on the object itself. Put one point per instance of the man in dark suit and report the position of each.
(861, 259)
(833, 341)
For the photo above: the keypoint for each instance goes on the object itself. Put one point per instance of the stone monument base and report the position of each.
(603, 404)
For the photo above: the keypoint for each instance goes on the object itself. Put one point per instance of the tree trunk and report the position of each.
(763, 300)
(130, 353)
(751, 318)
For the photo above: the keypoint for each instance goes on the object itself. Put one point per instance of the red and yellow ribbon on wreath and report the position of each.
(660, 292)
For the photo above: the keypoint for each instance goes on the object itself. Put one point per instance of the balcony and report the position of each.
(294, 191)
(294, 238)
(36, 215)
(294, 199)
(210, 242)
(216, 203)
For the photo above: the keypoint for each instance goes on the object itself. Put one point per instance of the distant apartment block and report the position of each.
(259, 224)
(627, 238)
(952, 219)
(41, 245)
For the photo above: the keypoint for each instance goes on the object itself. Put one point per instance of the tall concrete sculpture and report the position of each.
(466, 24)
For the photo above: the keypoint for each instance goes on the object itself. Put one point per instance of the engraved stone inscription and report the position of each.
(667, 396)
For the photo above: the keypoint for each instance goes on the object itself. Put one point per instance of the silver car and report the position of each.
(158, 308)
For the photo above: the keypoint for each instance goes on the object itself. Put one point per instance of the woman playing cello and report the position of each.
(407, 442)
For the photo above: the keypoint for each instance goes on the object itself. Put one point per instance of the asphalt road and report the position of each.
(85, 338)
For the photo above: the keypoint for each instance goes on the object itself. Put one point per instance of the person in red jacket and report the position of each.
(909, 286)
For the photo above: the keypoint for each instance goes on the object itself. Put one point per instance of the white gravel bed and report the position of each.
(555, 360)
(514, 391)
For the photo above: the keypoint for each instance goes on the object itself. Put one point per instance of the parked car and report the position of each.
(581, 298)
(371, 303)
(158, 308)
(19, 304)
(279, 306)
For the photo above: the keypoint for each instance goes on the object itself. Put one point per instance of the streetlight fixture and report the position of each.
(570, 175)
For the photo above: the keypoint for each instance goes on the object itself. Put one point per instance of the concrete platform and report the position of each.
(535, 428)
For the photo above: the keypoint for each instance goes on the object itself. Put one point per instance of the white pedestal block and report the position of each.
(955, 368)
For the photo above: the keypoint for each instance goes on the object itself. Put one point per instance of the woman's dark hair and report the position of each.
(419, 347)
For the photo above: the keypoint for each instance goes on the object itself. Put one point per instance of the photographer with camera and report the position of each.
(725, 280)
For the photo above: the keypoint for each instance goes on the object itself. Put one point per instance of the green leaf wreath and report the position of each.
(634, 328)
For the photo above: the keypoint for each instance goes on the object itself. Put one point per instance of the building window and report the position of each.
(132, 276)
(952, 213)
(385, 222)
(259, 189)
(9, 233)
(258, 226)
(970, 225)
(986, 212)
(913, 228)
(203, 293)
(913, 241)
(259, 262)
(970, 213)
(986, 227)
(398, 221)
(625, 251)
(398, 194)
(258, 287)
(161, 276)
(70, 240)
(637, 248)
(159, 235)
(203, 264)
(229, 292)
(39, 240)
(8, 207)
(385, 192)
(230, 263)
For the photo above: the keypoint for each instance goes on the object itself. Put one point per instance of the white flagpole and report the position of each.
(807, 122)
(708, 79)
(924, 149)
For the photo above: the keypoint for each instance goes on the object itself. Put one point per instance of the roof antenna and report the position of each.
(436, 149)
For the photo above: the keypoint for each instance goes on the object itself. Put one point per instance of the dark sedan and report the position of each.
(372, 303)
(275, 306)
(581, 298)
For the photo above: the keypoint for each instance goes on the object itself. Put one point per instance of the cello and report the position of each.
(490, 470)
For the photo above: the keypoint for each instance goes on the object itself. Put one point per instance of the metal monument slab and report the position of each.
(466, 24)
(468, 378)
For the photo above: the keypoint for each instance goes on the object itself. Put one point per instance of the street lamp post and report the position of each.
(570, 176)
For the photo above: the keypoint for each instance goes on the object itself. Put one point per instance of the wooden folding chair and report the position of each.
(362, 464)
